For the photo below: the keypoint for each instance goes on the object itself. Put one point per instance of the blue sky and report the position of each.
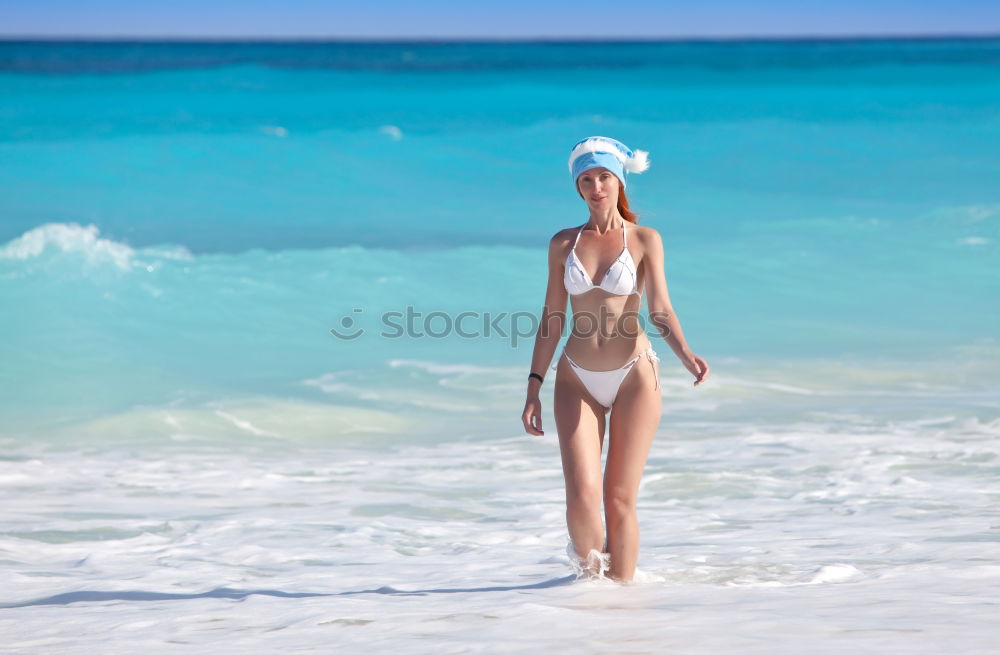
(491, 19)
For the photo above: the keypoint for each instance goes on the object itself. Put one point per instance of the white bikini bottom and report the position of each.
(604, 385)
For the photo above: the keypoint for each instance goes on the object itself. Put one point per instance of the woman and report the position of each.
(604, 363)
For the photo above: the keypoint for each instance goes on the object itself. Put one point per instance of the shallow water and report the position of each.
(862, 533)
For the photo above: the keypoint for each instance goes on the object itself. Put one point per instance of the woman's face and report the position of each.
(599, 187)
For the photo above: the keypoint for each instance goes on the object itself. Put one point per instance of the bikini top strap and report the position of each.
(624, 237)
(578, 236)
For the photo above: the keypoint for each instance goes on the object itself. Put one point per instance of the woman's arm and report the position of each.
(661, 311)
(550, 328)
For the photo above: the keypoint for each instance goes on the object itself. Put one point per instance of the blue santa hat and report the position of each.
(602, 151)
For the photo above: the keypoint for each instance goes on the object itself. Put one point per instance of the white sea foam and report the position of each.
(314, 536)
(275, 130)
(68, 237)
(835, 573)
(392, 131)
(85, 240)
(442, 368)
(967, 213)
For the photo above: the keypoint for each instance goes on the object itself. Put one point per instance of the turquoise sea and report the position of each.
(183, 225)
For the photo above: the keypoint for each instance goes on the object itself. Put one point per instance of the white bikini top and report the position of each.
(620, 280)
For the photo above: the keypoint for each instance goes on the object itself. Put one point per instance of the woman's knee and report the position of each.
(583, 497)
(619, 504)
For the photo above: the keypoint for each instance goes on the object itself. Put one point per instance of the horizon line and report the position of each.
(493, 39)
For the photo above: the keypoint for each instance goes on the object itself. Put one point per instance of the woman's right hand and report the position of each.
(532, 416)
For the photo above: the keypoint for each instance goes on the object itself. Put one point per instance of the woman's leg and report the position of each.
(580, 422)
(634, 419)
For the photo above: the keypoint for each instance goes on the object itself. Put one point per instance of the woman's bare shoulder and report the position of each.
(563, 238)
(648, 235)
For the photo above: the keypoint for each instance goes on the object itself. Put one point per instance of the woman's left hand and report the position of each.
(697, 366)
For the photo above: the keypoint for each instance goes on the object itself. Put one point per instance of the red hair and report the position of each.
(623, 209)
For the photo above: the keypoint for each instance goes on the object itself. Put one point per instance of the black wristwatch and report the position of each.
(536, 375)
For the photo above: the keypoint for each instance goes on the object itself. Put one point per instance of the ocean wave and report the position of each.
(68, 237)
(84, 240)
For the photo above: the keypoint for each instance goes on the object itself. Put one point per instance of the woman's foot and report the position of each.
(598, 563)
(595, 565)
